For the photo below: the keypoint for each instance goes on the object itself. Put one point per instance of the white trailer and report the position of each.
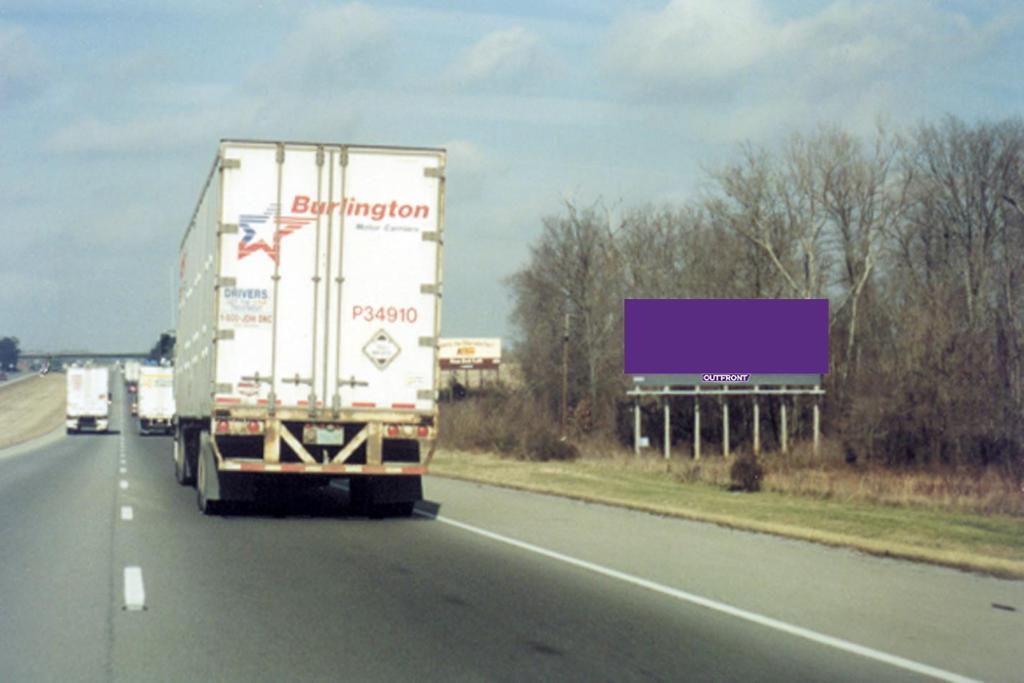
(308, 321)
(88, 399)
(156, 399)
(131, 375)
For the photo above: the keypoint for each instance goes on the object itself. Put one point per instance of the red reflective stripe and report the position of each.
(403, 405)
(363, 404)
(227, 399)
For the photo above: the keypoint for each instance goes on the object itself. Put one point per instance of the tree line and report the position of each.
(916, 238)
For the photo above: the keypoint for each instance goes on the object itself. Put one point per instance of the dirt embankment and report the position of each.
(31, 408)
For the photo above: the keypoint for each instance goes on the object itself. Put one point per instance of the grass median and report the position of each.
(31, 408)
(989, 543)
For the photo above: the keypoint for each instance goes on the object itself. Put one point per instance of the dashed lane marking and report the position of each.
(134, 589)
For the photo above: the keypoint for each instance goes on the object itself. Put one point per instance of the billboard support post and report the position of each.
(668, 427)
(757, 423)
(696, 424)
(725, 427)
(817, 423)
(636, 428)
(782, 419)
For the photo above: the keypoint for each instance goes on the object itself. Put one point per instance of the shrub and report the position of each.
(542, 442)
(746, 474)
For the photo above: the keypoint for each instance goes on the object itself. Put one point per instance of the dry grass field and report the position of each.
(31, 408)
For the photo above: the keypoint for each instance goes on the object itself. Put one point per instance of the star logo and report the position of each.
(255, 227)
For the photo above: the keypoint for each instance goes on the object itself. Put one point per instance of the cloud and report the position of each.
(695, 46)
(689, 42)
(327, 114)
(510, 57)
(141, 135)
(331, 47)
(465, 156)
(467, 170)
(22, 66)
(725, 73)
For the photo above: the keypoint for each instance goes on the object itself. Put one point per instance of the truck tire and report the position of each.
(184, 473)
(207, 480)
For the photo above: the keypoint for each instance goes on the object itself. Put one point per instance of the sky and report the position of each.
(110, 114)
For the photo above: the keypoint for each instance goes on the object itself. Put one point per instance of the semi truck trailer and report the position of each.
(308, 322)
(155, 399)
(132, 369)
(88, 399)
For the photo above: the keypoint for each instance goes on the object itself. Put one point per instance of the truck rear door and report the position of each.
(329, 265)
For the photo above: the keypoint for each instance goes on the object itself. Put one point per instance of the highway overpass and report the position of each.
(82, 355)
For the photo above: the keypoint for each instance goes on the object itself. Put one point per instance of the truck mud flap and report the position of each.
(208, 496)
(216, 488)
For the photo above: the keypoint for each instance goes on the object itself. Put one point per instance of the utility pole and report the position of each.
(565, 376)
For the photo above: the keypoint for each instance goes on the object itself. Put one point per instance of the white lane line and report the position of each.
(798, 631)
(127, 514)
(123, 484)
(123, 470)
(134, 591)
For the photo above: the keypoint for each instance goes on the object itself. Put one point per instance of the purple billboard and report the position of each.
(726, 336)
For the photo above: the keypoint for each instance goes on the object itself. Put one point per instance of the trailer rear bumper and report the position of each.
(91, 424)
(155, 424)
(384, 446)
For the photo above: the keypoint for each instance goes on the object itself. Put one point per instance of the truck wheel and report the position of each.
(207, 481)
(183, 472)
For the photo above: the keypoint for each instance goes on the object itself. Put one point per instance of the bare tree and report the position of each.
(863, 198)
(574, 271)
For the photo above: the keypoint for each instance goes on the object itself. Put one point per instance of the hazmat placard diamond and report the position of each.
(381, 349)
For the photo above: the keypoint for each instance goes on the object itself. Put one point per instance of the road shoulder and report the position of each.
(987, 544)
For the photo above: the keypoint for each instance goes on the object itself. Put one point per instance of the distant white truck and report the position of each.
(132, 369)
(308, 322)
(88, 399)
(156, 399)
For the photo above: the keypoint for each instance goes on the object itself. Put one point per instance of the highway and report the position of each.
(501, 586)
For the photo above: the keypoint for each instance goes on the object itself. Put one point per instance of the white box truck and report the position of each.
(131, 375)
(308, 322)
(156, 399)
(88, 399)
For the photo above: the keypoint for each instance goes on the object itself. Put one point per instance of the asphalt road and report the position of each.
(501, 586)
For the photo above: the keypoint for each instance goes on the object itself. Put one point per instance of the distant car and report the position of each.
(3, 376)
(135, 408)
